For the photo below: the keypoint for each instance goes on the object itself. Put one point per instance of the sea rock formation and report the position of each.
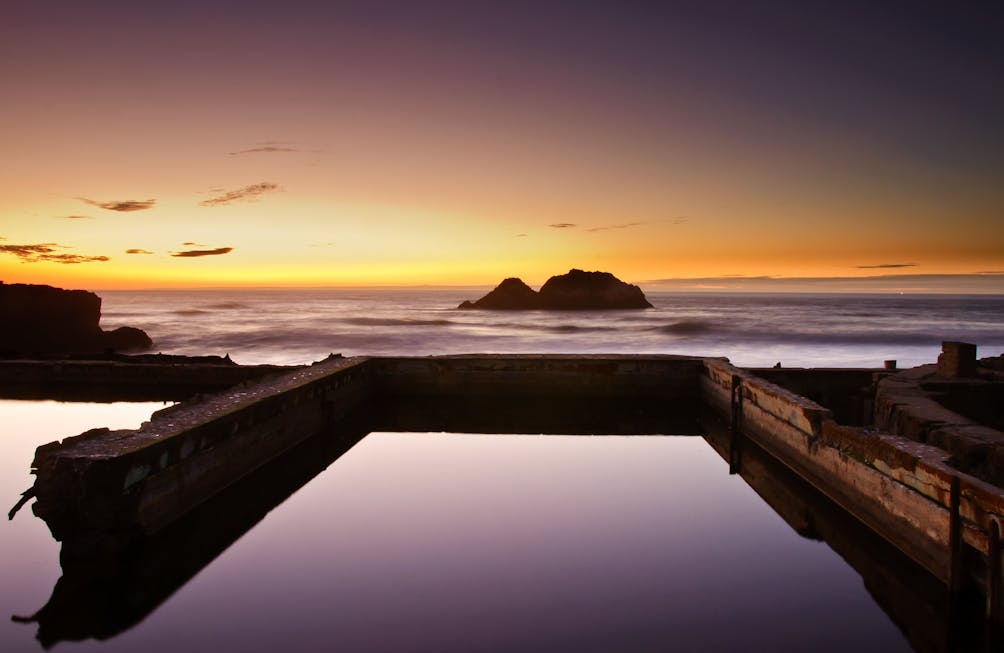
(575, 291)
(38, 320)
(510, 295)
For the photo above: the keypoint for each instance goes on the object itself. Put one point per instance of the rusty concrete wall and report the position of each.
(916, 600)
(848, 393)
(906, 404)
(143, 480)
(898, 487)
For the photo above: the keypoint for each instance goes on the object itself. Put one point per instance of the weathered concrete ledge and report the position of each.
(908, 492)
(125, 379)
(130, 483)
(136, 482)
(534, 375)
(848, 393)
(913, 404)
(122, 484)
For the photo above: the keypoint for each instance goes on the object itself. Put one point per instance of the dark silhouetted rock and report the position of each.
(45, 320)
(577, 290)
(510, 295)
(127, 339)
(580, 290)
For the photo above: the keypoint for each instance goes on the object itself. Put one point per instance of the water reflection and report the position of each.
(454, 542)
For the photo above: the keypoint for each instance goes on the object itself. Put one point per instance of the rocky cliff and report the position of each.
(38, 319)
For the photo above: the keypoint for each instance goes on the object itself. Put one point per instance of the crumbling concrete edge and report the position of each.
(900, 488)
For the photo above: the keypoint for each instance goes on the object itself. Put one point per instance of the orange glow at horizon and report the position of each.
(326, 147)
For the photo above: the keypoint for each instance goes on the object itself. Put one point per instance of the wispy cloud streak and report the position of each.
(48, 252)
(886, 266)
(265, 149)
(195, 253)
(121, 205)
(626, 225)
(245, 194)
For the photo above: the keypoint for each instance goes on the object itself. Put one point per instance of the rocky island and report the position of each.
(37, 320)
(575, 291)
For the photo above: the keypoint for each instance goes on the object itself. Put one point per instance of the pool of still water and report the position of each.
(448, 542)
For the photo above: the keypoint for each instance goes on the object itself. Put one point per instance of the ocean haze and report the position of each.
(754, 329)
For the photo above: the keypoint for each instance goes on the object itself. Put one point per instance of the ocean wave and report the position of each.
(228, 306)
(851, 338)
(388, 321)
(686, 327)
(575, 328)
(550, 328)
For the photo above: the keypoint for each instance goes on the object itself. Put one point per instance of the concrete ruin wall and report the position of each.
(900, 488)
(140, 481)
(130, 483)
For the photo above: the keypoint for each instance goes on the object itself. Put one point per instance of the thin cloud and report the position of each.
(265, 149)
(886, 266)
(562, 225)
(195, 253)
(519, 235)
(137, 250)
(191, 244)
(70, 259)
(680, 220)
(626, 225)
(73, 217)
(48, 252)
(246, 194)
(121, 205)
(24, 252)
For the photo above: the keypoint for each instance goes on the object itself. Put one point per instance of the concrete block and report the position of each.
(957, 359)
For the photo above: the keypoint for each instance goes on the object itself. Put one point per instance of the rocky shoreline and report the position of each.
(39, 320)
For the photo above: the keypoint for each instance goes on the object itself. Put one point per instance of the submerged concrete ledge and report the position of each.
(113, 486)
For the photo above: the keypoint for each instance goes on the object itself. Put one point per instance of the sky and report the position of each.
(302, 143)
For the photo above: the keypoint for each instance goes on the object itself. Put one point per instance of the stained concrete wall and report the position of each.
(847, 393)
(898, 487)
(907, 405)
(140, 481)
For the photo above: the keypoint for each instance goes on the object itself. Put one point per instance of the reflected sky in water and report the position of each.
(30, 555)
(445, 542)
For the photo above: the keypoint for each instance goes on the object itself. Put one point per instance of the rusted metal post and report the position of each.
(955, 538)
(995, 609)
(736, 426)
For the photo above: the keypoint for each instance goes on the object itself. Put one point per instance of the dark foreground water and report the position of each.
(446, 542)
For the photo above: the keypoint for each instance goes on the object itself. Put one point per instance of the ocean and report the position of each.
(752, 329)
